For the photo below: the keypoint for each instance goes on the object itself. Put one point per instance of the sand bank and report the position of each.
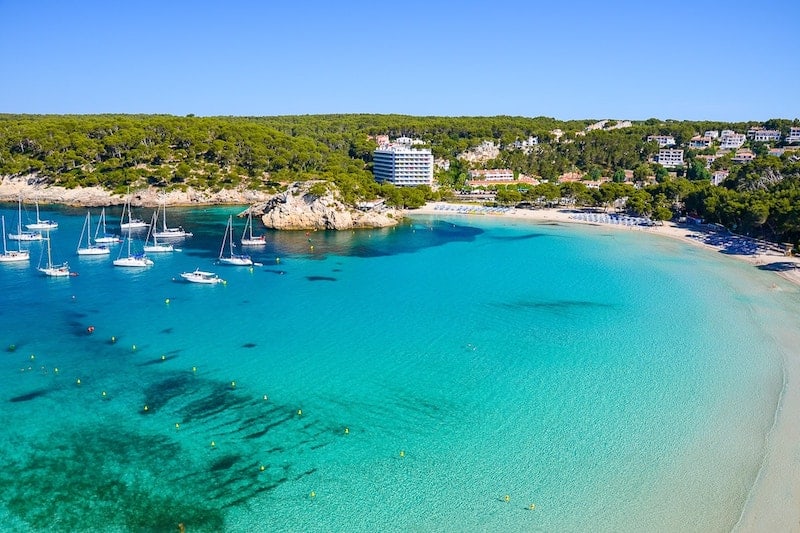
(773, 503)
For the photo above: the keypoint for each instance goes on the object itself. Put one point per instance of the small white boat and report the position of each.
(41, 224)
(200, 276)
(104, 237)
(170, 233)
(232, 258)
(247, 235)
(90, 249)
(156, 247)
(130, 223)
(11, 256)
(22, 235)
(56, 271)
(132, 260)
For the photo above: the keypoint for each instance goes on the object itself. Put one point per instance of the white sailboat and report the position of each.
(10, 256)
(167, 232)
(90, 249)
(22, 235)
(41, 224)
(132, 260)
(56, 271)
(247, 235)
(156, 247)
(232, 258)
(126, 221)
(104, 237)
(200, 276)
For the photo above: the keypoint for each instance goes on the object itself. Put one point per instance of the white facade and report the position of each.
(700, 142)
(714, 134)
(763, 135)
(662, 140)
(494, 174)
(670, 157)
(719, 176)
(730, 140)
(402, 166)
(794, 135)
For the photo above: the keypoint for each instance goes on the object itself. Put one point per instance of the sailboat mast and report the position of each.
(230, 233)
(224, 236)
(49, 258)
(5, 251)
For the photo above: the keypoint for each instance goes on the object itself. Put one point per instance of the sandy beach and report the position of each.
(773, 503)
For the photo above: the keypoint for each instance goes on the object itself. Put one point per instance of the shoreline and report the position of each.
(760, 255)
(773, 500)
(11, 189)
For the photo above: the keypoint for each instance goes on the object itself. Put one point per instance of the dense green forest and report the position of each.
(759, 198)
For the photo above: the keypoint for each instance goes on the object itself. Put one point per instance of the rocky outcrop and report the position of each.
(31, 187)
(300, 209)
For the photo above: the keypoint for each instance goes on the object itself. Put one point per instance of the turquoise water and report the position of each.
(391, 380)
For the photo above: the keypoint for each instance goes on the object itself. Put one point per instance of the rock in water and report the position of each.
(298, 209)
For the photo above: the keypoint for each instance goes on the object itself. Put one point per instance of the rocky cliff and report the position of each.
(300, 209)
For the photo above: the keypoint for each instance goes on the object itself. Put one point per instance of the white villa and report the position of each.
(670, 157)
(492, 174)
(763, 135)
(663, 140)
(730, 140)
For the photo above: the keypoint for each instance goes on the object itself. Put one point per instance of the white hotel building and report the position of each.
(402, 166)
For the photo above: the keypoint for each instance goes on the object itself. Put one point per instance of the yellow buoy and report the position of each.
(133, 347)
(233, 384)
(33, 357)
(113, 340)
(194, 369)
(163, 357)
(299, 412)
(104, 394)
(78, 381)
(213, 443)
(277, 259)
(166, 301)
(346, 431)
(506, 498)
(532, 506)
(313, 494)
(146, 408)
(262, 468)
(402, 453)
(55, 370)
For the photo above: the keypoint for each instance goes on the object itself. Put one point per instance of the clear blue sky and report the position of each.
(635, 59)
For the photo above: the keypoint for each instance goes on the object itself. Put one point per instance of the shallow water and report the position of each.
(413, 378)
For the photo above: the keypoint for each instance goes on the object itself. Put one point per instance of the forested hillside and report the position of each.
(760, 197)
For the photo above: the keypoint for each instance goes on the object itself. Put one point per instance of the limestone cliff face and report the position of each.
(298, 209)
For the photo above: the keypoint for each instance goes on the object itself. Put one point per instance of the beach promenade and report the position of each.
(773, 503)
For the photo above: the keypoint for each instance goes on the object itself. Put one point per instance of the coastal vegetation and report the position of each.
(759, 198)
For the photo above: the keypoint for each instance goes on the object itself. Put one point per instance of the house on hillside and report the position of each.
(670, 157)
